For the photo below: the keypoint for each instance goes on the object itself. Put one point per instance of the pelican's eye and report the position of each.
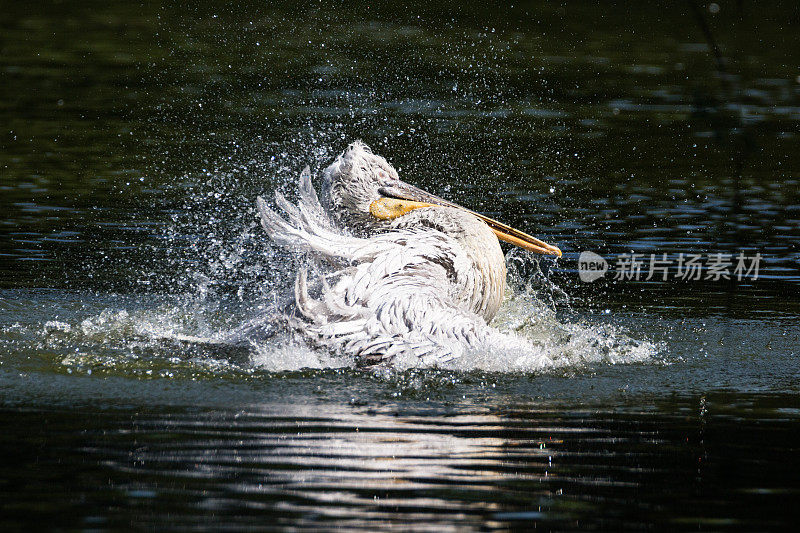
(385, 178)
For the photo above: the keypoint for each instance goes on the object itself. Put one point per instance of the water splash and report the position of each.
(194, 334)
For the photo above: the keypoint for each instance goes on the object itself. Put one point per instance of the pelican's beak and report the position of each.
(402, 198)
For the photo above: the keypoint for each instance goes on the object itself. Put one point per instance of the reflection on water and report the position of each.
(695, 462)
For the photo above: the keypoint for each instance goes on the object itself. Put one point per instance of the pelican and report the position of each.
(406, 274)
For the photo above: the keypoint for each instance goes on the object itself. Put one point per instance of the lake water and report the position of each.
(135, 138)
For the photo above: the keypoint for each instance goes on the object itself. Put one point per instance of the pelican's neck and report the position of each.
(482, 247)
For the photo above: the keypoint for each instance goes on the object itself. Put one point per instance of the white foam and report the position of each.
(286, 355)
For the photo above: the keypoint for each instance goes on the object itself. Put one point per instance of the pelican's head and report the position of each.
(363, 191)
(352, 182)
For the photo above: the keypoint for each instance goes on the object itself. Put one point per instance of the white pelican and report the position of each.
(413, 275)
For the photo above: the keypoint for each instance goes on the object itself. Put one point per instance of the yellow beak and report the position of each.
(386, 208)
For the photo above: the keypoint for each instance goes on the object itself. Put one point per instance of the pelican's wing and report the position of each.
(306, 227)
(402, 318)
(395, 306)
(381, 319)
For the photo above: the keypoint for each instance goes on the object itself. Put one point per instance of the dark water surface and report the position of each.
(135, 137)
